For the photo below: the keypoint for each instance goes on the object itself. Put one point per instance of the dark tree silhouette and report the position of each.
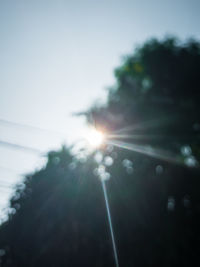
(59, 216)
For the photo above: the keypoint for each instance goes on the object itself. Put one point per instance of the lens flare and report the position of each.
(94, 137)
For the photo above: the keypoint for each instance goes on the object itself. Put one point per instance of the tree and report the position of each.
(59, 217)
(155, 105)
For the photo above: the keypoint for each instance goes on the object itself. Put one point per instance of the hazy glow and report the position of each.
(94, 137)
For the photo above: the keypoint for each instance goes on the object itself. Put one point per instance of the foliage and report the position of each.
(60, 217)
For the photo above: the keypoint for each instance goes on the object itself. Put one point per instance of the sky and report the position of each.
(57, 57)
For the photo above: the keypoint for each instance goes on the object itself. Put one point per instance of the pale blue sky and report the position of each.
(56, 57)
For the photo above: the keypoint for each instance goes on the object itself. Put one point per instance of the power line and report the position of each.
(31, 127)
(20, 147)
(23, 148)
(28, 127)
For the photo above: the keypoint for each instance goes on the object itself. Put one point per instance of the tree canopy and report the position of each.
(150, 164)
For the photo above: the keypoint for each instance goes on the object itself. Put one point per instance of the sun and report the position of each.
(94, 137)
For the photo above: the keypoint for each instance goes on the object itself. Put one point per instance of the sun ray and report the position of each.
(147, 150)
(110, 223)
(138, 136)
(145, 125)
(182, 137)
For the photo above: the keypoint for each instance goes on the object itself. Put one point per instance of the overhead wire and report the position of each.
(30, 127)
(19, 147)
